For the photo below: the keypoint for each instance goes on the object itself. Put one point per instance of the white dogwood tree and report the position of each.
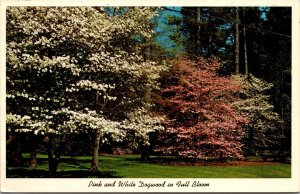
(263, 135)
(76, 69)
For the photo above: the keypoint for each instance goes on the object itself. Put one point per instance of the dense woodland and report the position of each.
(85, 80)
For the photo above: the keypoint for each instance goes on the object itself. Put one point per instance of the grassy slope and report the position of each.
(131, 167)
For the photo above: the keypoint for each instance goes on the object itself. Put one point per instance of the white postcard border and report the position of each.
(215, 185)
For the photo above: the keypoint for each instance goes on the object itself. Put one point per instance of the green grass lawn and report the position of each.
(131, 167)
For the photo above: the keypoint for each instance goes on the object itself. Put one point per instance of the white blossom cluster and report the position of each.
(254, 103)
(88, 121)
(141, 122)
(25, 123)
(21, 123)
(55, 55)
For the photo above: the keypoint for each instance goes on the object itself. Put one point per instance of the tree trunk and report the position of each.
(209, 46)
(148, 45)
(53, 167)
(16, 157)
(33, 160)
(237, 42)
(245, 47)
(96, 138)
(48, 141)
(95, 159)
(52, 160)
(145, 155)
(198, 31)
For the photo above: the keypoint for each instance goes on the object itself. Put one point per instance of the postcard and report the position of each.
(150, 96)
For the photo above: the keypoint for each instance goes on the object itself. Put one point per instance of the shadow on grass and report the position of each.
(81, 170)
(27, 173)
(176, 161)
(76, 162)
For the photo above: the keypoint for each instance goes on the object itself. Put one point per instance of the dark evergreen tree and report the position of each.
(254, 39)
